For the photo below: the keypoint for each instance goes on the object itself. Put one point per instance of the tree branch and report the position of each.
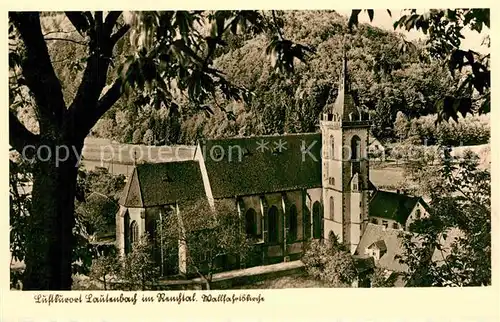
(217, 39)
(110, 21)
(110, 98)
(80, 20)
(202, 276)
(119, 34)
(38, 71)
(87, 105)
(19, 135)
(59, 32)
(67, 39)
(91, 116)
(275, 21)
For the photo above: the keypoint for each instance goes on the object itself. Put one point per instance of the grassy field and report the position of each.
(386, 178)
(119, 158)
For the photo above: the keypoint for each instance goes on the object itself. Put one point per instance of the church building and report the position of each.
(289, 188)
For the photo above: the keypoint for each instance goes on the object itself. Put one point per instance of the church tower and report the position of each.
(345, 168)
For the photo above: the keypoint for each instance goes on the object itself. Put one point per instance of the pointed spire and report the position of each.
(344, 104)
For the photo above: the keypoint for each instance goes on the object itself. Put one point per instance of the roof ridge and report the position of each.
(140, 188)
(163, 163)
(129, 183)
(260, 136)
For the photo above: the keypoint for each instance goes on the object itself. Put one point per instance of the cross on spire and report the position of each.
(344, 77)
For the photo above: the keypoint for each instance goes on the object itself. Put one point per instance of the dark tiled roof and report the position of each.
(154, 184)
(262, 171)
(371, 186)
(392, 205)
(393, 241)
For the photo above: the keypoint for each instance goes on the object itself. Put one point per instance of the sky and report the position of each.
(382, 20)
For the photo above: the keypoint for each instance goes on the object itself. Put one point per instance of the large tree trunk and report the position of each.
(51, 241)
(50, 245)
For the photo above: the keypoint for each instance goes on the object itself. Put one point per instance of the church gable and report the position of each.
(131, 196)
(155, 184)
(265, 164)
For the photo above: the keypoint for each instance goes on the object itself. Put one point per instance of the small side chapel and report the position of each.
(289, 188)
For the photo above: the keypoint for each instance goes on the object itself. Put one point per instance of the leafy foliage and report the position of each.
(148, 137)
(401, 125)
(460, 212)
(20, 203)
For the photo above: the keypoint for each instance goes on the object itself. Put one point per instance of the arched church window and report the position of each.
(306, 224)
(355, 153)
(332, 147)
(134, 232)
(334, 240)
(273, 220)
(126, 231)
(418, 214)
(332, 208)
(355, 148)
(251, 222)
(292, 223)
(317, 220)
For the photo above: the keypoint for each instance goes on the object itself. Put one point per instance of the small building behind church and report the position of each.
(376, 149)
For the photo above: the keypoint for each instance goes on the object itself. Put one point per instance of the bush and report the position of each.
(148, 137)
(330, 263)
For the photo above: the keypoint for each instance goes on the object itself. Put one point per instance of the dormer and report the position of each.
(376, 250)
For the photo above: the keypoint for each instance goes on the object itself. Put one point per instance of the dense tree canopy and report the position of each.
(388, 73)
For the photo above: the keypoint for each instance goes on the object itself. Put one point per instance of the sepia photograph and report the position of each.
(249, 150)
